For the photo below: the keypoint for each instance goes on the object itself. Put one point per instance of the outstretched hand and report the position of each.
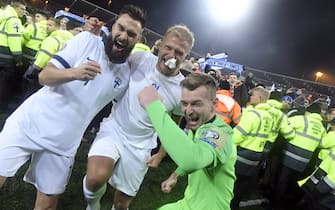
(93, 25)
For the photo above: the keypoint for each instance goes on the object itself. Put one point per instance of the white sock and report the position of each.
(93, 198)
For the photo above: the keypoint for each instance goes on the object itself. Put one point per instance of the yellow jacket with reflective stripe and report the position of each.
(280, 123)
(11, 30)
(254, 128)
(327, 169)
(308, 131)
(327, 143)
(34, 34)
(50, 46)
(274, 103)
(328, 165)
(140, 47)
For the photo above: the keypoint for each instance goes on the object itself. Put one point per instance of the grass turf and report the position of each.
(18, 195)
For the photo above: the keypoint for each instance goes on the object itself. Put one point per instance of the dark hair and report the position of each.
(45, 13)
(276, 95)
(55, 20)
(195, 80)
(224, 85)
(15, 3)
(314, 108)
(260, 85)
(71, 24)
(135, 13)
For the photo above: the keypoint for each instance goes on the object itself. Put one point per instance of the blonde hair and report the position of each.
(183, 33)
(265, 94)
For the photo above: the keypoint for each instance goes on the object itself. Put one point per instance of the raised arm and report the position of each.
(177, 144)
(93, 25)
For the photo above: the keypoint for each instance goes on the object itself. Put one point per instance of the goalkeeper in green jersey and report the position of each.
(206, 154)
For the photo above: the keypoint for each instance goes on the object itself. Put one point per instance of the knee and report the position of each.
(94, 183)
(99, 170)
(121, 201)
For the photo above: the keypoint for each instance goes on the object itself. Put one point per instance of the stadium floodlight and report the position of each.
(229, 11)
(318, 75)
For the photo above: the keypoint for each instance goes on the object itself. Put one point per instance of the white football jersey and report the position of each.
(128, 117)
(56, 117)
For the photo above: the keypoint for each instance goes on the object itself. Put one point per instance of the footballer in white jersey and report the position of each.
(79, 81)
(125, 140)
(135, 131)
(137, 126)
(55, 118)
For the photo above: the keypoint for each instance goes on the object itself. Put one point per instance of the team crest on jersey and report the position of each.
(211, 134)
(211, 137)
(117, 82)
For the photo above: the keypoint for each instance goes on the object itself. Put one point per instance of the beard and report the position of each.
(117, 56)
(192, 117)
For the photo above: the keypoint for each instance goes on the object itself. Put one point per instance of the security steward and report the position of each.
(250, 136)
(33, 36)
(281, 132)
(52, 44)
(11, 31)
(319, 188)
(328, 142)
(298, 154)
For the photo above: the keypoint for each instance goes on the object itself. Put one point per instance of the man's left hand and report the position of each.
(93, 25)
(154, 160)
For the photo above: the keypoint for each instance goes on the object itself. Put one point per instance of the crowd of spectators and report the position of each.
(276, 175)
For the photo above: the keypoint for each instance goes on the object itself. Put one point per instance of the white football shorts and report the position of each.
(130, 167)
(48, 172)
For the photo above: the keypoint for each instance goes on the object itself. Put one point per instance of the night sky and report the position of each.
(290, 37)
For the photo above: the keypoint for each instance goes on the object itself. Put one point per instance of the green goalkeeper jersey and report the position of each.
(207, 156)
